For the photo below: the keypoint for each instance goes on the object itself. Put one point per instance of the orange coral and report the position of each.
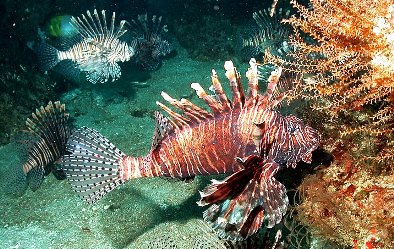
(347, 64)
(343, 55)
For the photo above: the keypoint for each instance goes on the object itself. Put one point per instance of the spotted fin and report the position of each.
(69, 69)
(92, 168)
(47, 56)
(35, 177)
(163, 126)
(242, 201)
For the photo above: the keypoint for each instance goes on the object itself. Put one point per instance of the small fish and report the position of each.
(149, 42)
(268, 33)
(246, 138)
(96, 50)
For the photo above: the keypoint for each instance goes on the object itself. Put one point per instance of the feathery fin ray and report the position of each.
(93, 167)
(242, 201)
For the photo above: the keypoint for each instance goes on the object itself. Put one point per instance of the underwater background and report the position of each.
(340, 75)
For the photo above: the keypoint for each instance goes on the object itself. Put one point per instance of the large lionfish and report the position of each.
(244, 137)
(96, 50)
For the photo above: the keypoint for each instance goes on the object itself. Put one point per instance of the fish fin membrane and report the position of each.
(242, 201)
(16, 183)
(92, 168)
(69, 69)
(47, 56)
(35, 177)
(45, 141)
(162, 127)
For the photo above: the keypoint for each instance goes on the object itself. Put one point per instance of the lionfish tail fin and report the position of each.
(93, 167)
(48, 56)
(242, 201)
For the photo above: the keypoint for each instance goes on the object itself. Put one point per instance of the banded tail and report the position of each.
(242, 201)
(93, 168)
(48, 56)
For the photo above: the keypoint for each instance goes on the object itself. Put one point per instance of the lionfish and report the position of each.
(246, 138)
(150, 44)
(96, 50)
(42, 144)
(267, 33)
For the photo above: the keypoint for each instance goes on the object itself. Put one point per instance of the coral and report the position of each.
(343, 56)
(346, 66)
(193, 234)
(350, 208)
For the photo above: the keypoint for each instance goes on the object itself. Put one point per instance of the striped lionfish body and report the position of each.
(97, 51)
(244, 137)
(149, 41)
(43, 143)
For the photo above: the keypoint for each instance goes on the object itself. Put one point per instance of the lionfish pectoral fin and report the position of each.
(35, 177)
(70, 70)
(17, 184)
(41, 145)
(242, 201)
(93, 166)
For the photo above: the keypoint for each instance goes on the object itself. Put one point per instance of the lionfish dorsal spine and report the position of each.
(177, 120)
(157, 23)
(217, 86)
(273, 82)
(152, 28)
(215, 106)
(220, 103)
(194, 113)
(83, 28)
(91, 26)
(191, 110)
(143, 20)
(95, 23)
(252, 75)
(99, 21)
(236, 88)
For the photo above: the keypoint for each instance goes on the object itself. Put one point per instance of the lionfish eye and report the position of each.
(292, 129)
